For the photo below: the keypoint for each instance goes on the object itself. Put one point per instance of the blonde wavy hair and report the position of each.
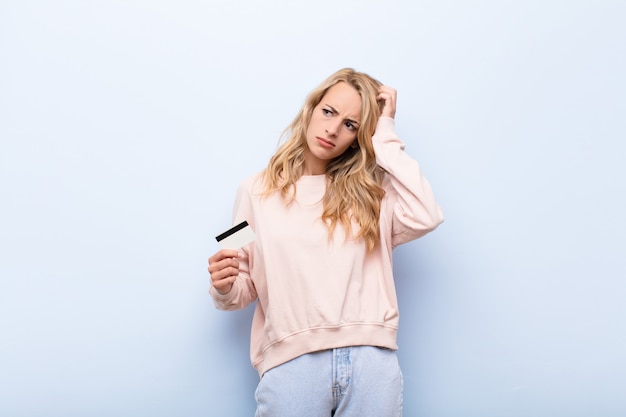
(354, 190)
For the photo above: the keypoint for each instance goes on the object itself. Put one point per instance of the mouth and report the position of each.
(325, 143)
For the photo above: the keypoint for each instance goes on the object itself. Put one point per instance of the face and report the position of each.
(333, 127)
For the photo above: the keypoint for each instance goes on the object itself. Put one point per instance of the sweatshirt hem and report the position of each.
(323, 338)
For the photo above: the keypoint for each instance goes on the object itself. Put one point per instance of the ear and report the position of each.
(354, 144)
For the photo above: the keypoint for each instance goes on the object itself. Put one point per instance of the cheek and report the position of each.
(349, 136)
(347, 142)
(313, 125)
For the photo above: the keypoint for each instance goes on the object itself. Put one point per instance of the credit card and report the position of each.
(236, 237)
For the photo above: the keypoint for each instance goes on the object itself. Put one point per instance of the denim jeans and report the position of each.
(359, 381)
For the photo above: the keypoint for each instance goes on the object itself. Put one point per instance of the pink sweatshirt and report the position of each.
(313, 293)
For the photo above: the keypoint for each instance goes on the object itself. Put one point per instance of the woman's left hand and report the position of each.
(388, 95)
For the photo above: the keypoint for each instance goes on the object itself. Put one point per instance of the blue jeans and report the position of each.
(359, 381)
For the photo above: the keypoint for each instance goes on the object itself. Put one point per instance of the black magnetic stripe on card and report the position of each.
(232, 231)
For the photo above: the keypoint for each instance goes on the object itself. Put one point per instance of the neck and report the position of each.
(313, 167)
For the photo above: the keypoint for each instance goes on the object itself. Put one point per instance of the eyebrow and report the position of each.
(334, 110)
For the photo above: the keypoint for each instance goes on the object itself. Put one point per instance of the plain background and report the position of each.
(125, 127)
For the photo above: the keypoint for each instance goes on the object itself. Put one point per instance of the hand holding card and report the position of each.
(236, 237)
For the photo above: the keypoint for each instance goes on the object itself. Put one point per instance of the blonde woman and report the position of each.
(335, 199)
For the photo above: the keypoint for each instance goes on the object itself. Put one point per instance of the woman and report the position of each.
(335, 199)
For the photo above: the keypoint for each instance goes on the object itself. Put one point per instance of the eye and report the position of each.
(350, 126)
(327, 112)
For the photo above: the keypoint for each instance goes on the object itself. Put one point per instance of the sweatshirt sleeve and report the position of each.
(409, 195)
(243, 291)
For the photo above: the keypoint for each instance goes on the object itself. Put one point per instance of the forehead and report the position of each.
(345, 99)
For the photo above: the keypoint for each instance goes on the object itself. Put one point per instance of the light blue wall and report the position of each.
(126, 126)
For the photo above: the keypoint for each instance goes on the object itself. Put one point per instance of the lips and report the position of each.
(325, 143)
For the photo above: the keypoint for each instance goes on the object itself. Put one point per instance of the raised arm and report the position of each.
(415, 211)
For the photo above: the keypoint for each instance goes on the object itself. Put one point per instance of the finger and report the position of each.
(223, 278)
(389, 108)
(387, 90)
(388, 95)
(224, 286)
(216, 267)
(223, 254)
(228, 274)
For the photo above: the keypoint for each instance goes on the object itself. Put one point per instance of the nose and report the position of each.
(333, 127)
